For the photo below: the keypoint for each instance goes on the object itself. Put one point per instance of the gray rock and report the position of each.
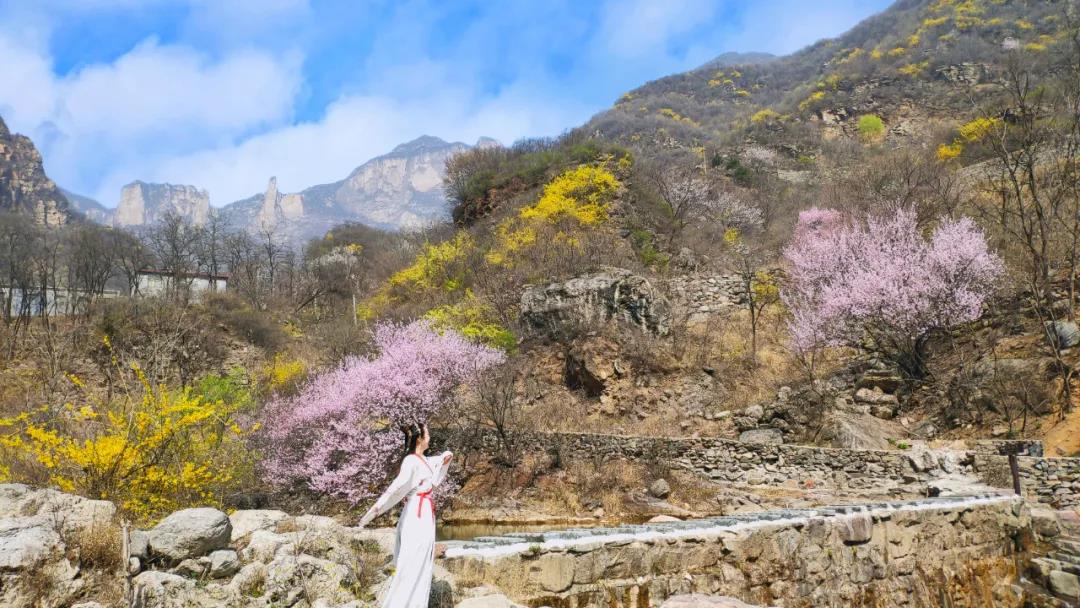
(26, 542)
(660, 488)
(857, 529)
(247, 521)
(1065, 583)
(157, 584)
(192, 568)
(613, 293)
(875, 397)
(754, 411)
(139, 544)
(71, 513)
(224, 563)
(190, 533)
(922, 459)
(762, 435)
(1065, 334)
(441, 595)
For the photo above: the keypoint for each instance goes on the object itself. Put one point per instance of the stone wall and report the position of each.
(739, 462)
(958, 553)
(1053, 481)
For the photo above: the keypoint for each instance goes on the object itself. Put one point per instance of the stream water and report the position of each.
(478, 530)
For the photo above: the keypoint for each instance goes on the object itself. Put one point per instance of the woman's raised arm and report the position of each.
(440, 466)
(397, 490)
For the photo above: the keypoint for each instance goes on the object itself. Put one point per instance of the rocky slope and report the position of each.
(402, 189)
(917, 65)
(24, 187)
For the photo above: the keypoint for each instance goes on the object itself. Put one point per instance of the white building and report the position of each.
(160, 282)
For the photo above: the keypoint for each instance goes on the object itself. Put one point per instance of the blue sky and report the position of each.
(223, 94)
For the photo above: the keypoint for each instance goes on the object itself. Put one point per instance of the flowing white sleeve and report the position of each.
(439, 469)
(401, 486)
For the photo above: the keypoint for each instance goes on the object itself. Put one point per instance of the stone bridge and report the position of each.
(956, 551)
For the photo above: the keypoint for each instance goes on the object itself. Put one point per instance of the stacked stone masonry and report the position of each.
(962, 553)
(1053, 481)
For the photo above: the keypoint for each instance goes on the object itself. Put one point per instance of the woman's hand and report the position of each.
(447, 458)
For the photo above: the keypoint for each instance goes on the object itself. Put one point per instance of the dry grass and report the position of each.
(99, 547)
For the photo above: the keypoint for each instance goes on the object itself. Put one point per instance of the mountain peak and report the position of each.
(420, 144)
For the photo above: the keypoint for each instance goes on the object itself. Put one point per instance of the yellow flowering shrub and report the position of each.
(979, 128)
(814, 97)
(949, 151)
(765, 115)
(472, 318)
(438, 266)
(913, 69)
(283, 372)
(151, 451)
(581, 194)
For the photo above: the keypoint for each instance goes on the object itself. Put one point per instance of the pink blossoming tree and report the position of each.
(880, 285)
(338, 435)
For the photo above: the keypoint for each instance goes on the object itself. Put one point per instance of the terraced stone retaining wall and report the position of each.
(957, 553)
(1053, 481)
(735, 461)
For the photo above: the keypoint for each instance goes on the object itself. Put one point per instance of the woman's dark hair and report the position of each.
(413, 433)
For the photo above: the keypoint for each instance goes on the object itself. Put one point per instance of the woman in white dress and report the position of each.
(414, 553)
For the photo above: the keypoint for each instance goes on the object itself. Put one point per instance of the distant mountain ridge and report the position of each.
(398, 190)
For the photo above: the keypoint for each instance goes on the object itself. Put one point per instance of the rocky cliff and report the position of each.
(24, 187)
(142, 203)
(402, 189)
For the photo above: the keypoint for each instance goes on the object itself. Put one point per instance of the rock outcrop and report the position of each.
(142, 204)
(24, 187)
(612, 294)
(190, 559)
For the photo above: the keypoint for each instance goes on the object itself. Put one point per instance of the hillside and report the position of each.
(919, 66)
(637, 282)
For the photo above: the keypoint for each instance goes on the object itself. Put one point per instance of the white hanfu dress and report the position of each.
(414, 554)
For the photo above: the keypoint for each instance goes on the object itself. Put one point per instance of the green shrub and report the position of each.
(871, 126)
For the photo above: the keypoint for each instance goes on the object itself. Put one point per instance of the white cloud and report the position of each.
(643, 28)
(217, 106)
(357, 128)
(152, 102)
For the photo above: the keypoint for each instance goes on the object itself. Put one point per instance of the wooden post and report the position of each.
(1014, 468)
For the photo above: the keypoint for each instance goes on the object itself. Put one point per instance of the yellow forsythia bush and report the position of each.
(151, 451)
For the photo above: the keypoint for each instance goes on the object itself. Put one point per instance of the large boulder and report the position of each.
(247, 521)
(1065, 334)
(613, 293)
(860, 431)
(26, 542)
(190, 533)
(71, 513)
(762, 435)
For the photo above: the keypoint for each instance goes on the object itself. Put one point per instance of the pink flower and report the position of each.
(338, 434)
(880, 284)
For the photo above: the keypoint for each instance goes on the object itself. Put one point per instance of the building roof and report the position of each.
(186, 275)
